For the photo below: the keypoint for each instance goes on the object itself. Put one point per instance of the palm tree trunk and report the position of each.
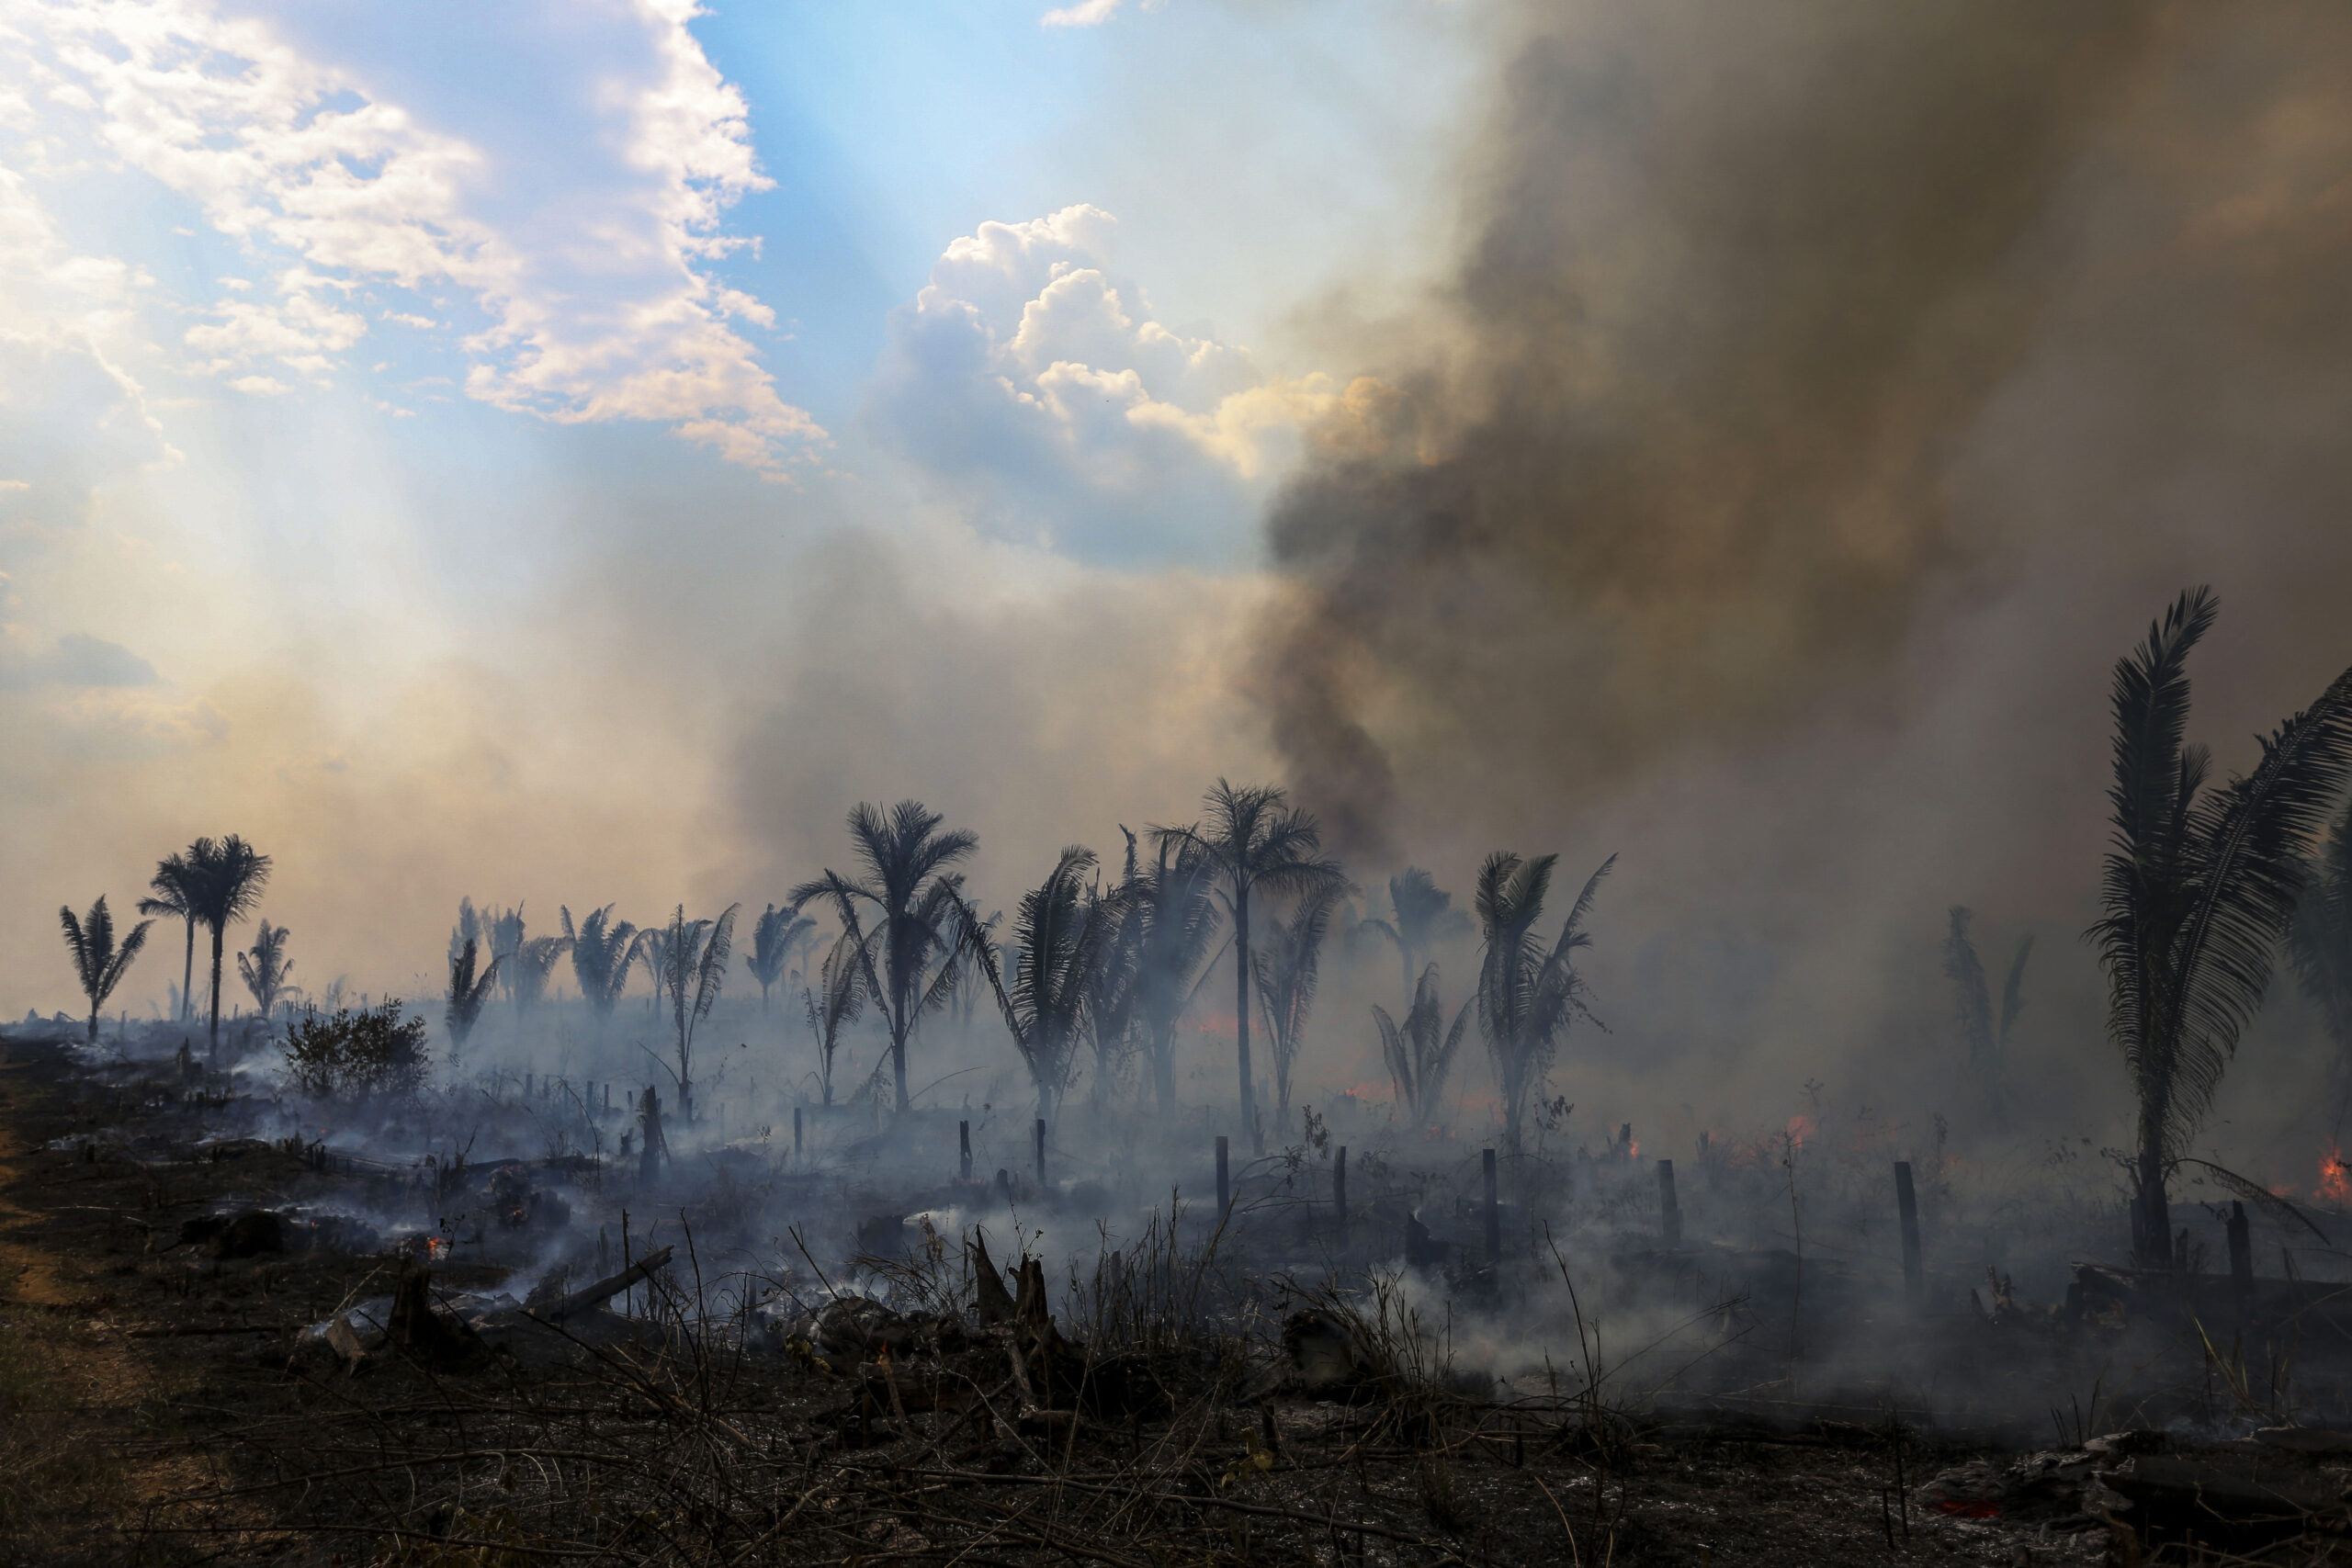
(1241, 1014)
(899, 1065)
(187, 975)
(212, 1036)
(2150, 1206)
(94, 1020)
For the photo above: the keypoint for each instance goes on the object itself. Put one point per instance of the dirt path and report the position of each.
(77, 1394)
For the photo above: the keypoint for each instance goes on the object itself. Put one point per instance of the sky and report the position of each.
(571, 454)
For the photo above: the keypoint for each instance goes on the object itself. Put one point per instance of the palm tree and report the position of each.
(468, 993)
(1422, 915)
(921, 925)
(1987, 1037)
(1172, 901)
(98, 963)
(1420, 1054)
(2199, 891)
(173, 887)
(226, 882)
(507, 936)
(834, 1004)
(2320, 943)
(694, 968)
(1254, 844)
(601, 951)
(1114, 979)
(1061, 933)
(527, 972)
(264, 968)
(776, 935)
(1528, 995)
(1287, 969)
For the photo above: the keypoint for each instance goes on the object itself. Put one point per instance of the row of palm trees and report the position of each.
(214, 883)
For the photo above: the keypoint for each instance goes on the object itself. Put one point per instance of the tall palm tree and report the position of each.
(1060, 932)
(1288, 966)
(693, 956)
(1113, 979)
(602, 948)
(1421, 914)
(98, 961)
(2199, 890)
(1256, 844)
(264, 968)
(227, 879)
(921, 926)
(776, 935)
(833, 1004)
(2320, 941)
(1172, 899)
(1420, 1054)
(173, 886)
(1528, 995)
(468, 993)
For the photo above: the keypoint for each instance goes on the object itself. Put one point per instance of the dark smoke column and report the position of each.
(1740, 276)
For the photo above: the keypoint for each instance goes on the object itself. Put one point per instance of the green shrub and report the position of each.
(356, 1053)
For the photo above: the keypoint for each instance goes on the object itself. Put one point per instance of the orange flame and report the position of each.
(1800, 1129)
(2335, 1177)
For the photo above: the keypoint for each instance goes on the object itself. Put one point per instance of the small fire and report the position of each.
(2335, 1177)
(1800, 1129)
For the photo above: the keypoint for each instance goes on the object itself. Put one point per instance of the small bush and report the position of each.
(356, 1053)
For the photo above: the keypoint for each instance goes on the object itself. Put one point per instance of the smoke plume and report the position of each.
(1738, 280)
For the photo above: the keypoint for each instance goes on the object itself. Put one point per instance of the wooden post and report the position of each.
(1906, 1202)
(2241, 1255)
(1669, 1211)
(964, 1137)
(1494, 1214)
(1339, 1192)
(1041, 1154)
(1224, 1190)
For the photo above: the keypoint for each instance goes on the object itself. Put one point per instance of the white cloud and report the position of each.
(1026, 372)
(595, 296)
(1088, 12)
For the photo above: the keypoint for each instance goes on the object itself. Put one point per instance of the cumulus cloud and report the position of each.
(596, 299)
(1035, 388)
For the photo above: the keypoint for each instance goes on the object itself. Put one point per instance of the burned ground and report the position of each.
(172, 1398)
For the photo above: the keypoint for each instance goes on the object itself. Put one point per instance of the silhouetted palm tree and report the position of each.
(1528, 995)
(264, 968)
(508, 934)
(920, 924)
(1172, 899)
(2320, 943)
(1422, 915)
(525, 974)
(601, 950)
(1114, 979)
(1060, 931)
(1420, 1054)
(693, 969)
(1254, 844)
(173, 887)
(833, 1004)
(2199, 890)
(776, 935)
(1984, 1033)
(468, 993)
(1288, 965)
(98, 963)
(226, 881)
